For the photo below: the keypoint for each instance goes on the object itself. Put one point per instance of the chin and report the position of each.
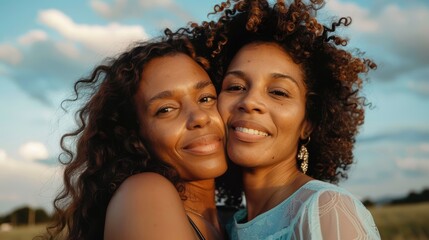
(214, 172)
(217, 171)
(242, 160)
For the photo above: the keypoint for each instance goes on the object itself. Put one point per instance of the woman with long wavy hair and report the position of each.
(148, 146)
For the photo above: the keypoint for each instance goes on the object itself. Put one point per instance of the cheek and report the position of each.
(164, 148)
(291, 122)
(216, 118)
(224, 113)
(162, 138)
(225, 107)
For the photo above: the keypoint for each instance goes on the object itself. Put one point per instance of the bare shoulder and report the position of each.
(144, 191)
(146, 184)
(144, 207)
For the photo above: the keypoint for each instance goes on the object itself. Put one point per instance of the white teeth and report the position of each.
(251, 131)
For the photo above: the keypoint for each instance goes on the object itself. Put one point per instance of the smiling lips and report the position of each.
(248, 132)
(204, 145)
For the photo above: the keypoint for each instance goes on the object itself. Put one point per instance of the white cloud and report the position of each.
(68, 49)
(33, 36)
(48, 65)
(9, 197)
(156, 3)
(413, 158)
(419, 150)
(100, 7)
(424, 147)
(122, 8)
(3, 155)
(10, 54)
(421, 87)
(105, 40)
(119, 9)
(33, 151)
(406, 31)
(165, 23)
(413, 164)
(34, 184)
(403, 30)
(361, 16)
(385, 168)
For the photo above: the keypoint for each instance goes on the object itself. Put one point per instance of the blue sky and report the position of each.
(46, 45)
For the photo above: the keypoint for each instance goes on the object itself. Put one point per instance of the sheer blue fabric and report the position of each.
(318, 210)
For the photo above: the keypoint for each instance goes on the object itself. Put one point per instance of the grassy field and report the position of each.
(23, 233)
(410, 222)
(399, 222)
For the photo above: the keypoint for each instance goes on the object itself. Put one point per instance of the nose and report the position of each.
(197, 117)
(252, 102)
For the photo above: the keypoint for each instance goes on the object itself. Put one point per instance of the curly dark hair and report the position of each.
(108, 148)
(333, 75)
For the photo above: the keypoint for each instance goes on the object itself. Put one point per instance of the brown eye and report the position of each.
(280, 93)
(207, 99)
(235, 88)
(164, 110)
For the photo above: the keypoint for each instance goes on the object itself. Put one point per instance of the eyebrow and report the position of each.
(237, 73)
(282, 75)
(168, 93)
(202, 84)
(243, 75)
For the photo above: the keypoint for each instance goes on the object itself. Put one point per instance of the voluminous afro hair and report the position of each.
(333, 74)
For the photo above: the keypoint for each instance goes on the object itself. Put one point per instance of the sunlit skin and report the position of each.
(176, 105)
(180, 124)
(262, 103)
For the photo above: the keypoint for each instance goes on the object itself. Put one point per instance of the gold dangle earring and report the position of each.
(303, 156)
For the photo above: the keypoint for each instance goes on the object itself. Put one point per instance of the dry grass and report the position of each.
(23, 232)
(402, 221)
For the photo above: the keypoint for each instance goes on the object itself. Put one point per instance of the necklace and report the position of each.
(194, 212)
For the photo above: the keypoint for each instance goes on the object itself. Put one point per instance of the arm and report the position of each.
(343, 217)
(146, 206)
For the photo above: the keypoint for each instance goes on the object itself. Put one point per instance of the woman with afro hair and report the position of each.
(290, 97)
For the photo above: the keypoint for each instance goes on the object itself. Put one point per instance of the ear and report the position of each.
(306, 130)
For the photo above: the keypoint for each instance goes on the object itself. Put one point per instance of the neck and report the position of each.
(266, 187)
(200, 194)
(200, 201)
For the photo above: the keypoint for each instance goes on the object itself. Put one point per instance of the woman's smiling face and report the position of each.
(179, 121)
(262, 103)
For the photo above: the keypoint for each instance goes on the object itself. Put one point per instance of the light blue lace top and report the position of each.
(318, 210)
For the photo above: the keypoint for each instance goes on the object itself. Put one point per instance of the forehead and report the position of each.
(262, 51)
(170, 73)
(265, 58)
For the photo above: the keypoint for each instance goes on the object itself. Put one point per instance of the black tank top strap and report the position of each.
(194, 226)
